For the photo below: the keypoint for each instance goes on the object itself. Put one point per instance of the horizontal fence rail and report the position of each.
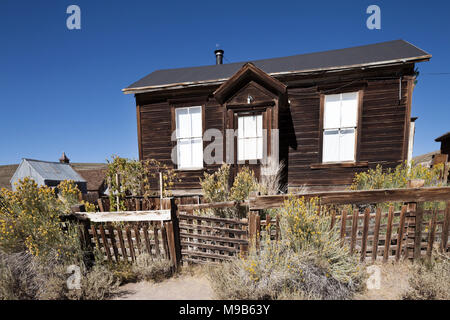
(174, 229)
(358, 197)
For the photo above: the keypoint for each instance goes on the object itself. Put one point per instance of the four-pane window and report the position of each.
(250, 137)
(189, 137)
(339, 127)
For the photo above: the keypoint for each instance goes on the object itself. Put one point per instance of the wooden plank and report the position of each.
(376, 234)
(113, 242)
(387, 242)
(126, 216)
(208, 246)
(130, 243)
(164, 240)
(223, 220)
(95, 235)
(258, 230)
(343, 224)
(171, 243)
(365, 234)
(333, 218)
(186, 226)
(358, 197)
(105, 242)
(445, 228)
(418, 230)
(354, 230)
(100, 204)
(146, 239)
(206, 255)
(138, 204)
(184, 235)
(192, 207)
(122, 244)
(137, 236)
(156, 236)
(400, 234)
(431, 233)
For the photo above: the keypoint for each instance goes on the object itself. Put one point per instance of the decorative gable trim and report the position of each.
(249, 72)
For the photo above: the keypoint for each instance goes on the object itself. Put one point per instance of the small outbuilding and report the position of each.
(445, 143)
(48, 173)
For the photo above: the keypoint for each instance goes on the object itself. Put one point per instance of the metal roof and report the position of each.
(383, 53)
(54, 171)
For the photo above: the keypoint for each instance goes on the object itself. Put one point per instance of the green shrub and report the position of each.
(430, 279)
(380, 178)
(30, 220)
(310, 262)
(244, 183)
(215, 186)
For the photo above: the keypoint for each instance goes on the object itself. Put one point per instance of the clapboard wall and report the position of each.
(384, 120)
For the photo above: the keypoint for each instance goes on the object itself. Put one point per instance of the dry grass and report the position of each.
(430, 279)
(394, 282)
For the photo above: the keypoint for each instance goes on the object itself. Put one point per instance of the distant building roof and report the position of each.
(94, 177)
(377, 54)
(54, 171)
(425, 159)
(443, 137)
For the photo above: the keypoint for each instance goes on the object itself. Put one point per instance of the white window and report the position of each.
(339, 127)
(189, 137)
(250, 137)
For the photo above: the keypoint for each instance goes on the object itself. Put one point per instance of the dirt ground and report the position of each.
(196, 286)
(394, 282)
(183, 287)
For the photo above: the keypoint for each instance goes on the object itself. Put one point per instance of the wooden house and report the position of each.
(326, 115)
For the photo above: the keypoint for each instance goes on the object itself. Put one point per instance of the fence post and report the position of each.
(414, 220)
(445, 227)
(173, 231)
(85, 238)
(253, 227)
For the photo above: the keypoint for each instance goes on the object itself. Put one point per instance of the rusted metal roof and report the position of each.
(385, 53)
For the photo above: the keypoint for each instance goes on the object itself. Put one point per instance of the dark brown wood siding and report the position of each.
(382, 127)
(383, 135)
(156, 130)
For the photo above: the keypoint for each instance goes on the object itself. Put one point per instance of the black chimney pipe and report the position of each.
(219, 56)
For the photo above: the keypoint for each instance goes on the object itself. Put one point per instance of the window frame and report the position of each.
(175, 127)
(256, 137)
(356, 158)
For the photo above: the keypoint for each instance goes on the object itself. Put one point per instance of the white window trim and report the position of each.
(256, 137)
(341, 129)
(188, 138)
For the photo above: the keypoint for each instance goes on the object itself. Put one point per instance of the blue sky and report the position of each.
(60, 89)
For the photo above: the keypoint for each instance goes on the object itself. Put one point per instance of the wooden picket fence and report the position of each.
(121, 236)
(410, 232)
(176, 233)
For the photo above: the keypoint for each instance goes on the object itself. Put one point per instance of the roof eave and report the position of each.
(182, 85)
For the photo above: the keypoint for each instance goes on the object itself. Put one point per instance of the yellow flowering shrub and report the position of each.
(380, 178)
(309, 262)
(30, 220)
(215, 186)
(244, 183)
